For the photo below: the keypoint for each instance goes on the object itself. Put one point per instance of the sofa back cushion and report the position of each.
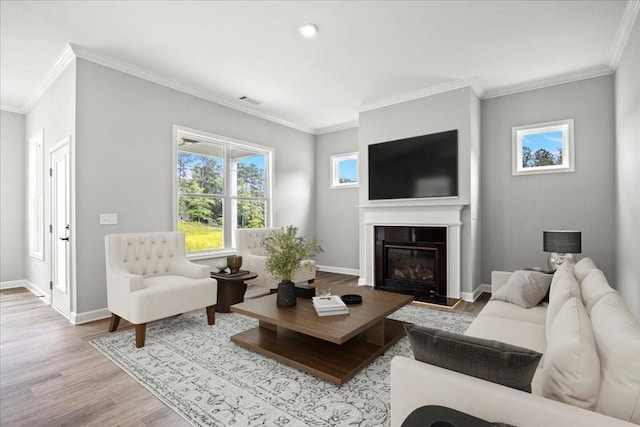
(593, 288)
(563, 286)
(583, 267)
(617, 333)
(571, 361)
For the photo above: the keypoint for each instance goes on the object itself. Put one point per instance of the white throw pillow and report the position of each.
(617, 333)
(524, 288)
(563, 286)
(571, 361)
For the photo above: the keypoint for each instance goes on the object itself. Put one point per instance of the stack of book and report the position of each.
(330, 305)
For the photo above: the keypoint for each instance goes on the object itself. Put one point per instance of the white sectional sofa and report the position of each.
(589, 374)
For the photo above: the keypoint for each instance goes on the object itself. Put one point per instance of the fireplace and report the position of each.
(412, 261)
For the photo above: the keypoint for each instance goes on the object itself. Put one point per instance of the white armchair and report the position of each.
(150, 278)
(254, 256)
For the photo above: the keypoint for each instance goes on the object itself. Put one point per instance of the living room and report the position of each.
(122, 128)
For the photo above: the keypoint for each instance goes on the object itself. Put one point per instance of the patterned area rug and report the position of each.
(196, 370)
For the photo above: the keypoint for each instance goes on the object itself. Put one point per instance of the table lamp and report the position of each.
(562, 244)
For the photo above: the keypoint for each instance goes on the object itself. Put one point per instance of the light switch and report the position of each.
(108, 219)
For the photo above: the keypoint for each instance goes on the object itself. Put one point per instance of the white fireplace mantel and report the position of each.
(420, 215)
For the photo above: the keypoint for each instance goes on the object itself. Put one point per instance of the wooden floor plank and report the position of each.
(51, 375)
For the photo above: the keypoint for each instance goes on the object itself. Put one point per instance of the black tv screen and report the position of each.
(418, 167)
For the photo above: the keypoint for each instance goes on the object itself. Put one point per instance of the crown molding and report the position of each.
(624, 31)
(65, 58)
(11, 109)
(422, 93)
(155, 78)
(336, 128)
(602, 70)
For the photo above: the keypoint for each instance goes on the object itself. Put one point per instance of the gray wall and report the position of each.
(456, 109)
(517, 208)
(337, 209)
(124, 162)
(627, 104)
(55, 113)
(12, 196)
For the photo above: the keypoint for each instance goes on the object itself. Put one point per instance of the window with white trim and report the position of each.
(36, 196)
(543, 148)
(344, 170)
(221, 184)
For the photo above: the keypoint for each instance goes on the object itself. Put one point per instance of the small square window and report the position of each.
(344, 170)
(543, 148)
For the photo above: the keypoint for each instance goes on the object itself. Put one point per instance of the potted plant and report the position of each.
(286, 253)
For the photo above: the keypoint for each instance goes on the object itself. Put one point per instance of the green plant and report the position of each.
(285, 251)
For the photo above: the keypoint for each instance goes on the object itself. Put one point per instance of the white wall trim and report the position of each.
(624, 31)
(11, 109)
(339, 270)
(64, 59)
(89, 316)
(336, 128)
(472, 296)
(589, 73)
(23, 283)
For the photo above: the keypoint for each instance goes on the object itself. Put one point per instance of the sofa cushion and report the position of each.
(524, 288)
(507, 310)
(490, 360)
(617, 333)
(593, 288)
(571, 362)
(563, 286)
(515, 332)
(583, 267)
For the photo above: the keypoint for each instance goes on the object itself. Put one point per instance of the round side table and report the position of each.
(231, 289)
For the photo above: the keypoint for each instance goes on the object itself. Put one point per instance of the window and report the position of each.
(221, 184)
(344, 170)
(543, 148)
(36, 196)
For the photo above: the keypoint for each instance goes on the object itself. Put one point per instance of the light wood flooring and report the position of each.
(51, 376)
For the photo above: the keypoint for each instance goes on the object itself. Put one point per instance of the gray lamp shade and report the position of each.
(562, 241)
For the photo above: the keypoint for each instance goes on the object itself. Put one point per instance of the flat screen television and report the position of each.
(418, 167)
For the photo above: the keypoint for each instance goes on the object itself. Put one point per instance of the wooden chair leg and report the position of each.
(115, 321)
(141, 331)
(211, 314)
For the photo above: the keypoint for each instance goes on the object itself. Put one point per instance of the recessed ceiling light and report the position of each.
(308, 30)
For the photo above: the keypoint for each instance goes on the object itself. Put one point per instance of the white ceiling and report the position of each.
(367, 53)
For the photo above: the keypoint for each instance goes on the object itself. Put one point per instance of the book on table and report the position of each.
(331, 305)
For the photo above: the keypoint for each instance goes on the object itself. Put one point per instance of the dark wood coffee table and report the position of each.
(333, 348)
(231, 289)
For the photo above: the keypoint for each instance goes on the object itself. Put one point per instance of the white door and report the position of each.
(60, 227)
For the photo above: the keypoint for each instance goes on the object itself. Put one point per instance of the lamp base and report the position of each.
(555, 260)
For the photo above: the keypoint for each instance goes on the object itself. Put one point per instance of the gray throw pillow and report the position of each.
(524, 288)
(489, 360)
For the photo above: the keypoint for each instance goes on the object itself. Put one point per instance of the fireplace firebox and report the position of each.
(412, 261)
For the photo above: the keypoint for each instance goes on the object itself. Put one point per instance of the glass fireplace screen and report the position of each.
(411, 263)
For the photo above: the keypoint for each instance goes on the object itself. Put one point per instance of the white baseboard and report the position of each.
(472, 296)
(89, 316)
(10, 284)
(339, 270)
(23, 283)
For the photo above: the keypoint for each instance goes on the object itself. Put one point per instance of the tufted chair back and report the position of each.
(249, 240)
(147, 254)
